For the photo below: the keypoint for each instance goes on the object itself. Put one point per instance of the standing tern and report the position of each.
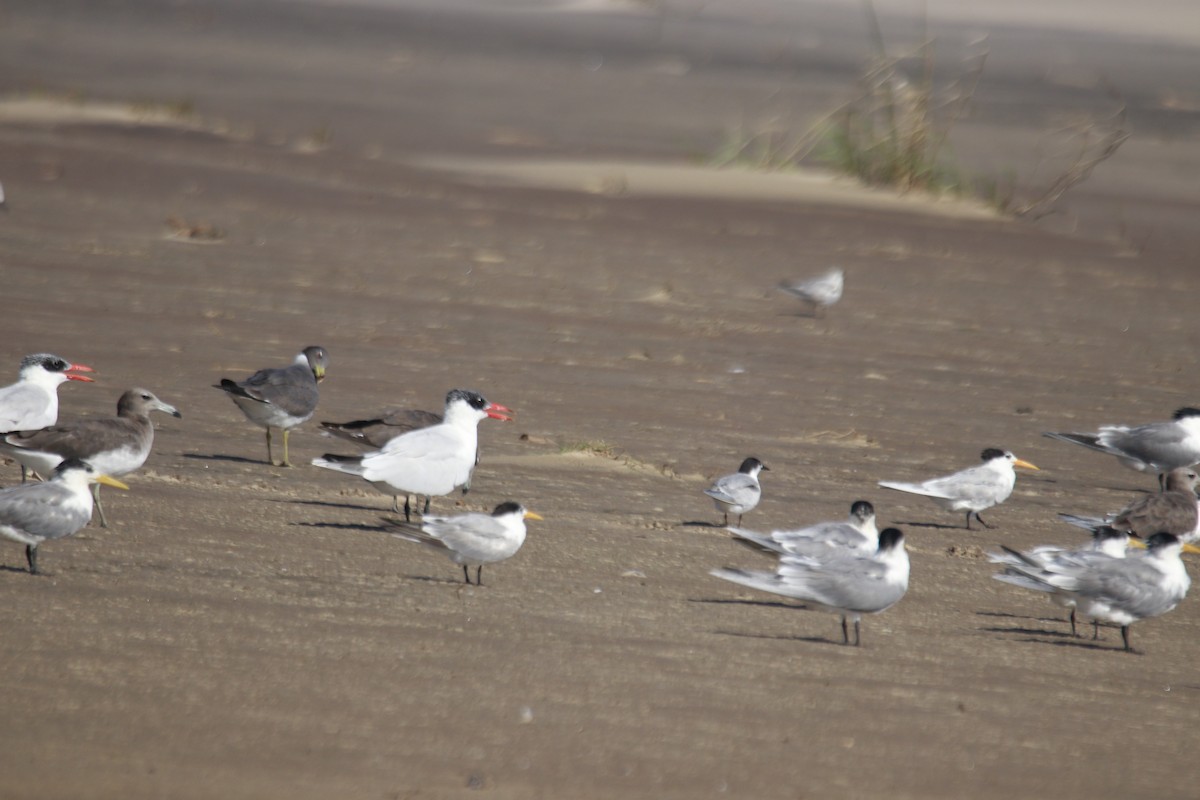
(115, 446)
(858, 532)
(32, 513)
(1157, 447)
(738, 492)
(1173, 511)
(429, 461)
(973, 489)
(377, 431)
(32, 402)
(1119, 590)
(819, 292)
(1106, 542)
(281, 398)
(473, 540)
(846, 582)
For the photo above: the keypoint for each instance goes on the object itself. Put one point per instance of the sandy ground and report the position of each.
(246, 631)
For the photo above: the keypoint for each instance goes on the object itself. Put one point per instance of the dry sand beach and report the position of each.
(512, 197)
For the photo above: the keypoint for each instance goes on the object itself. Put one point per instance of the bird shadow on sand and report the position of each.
(696, 523)
(457, 582)
(228, 458)
(939, 526)
(776, 637)
(735, 602)
(1060, 638)
(345, 526)
(328, 504)
(10, 568)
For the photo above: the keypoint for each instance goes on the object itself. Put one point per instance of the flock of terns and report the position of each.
(848, 566)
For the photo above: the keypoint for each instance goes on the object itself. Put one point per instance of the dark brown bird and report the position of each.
(1173, 511)
(379, 430)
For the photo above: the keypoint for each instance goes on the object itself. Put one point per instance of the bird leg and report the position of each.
(845, 631)
(1073, 623)
(1095, 630)
(270, 455)
(286, 462)
(1125, 639)
(467, 574)
(31, 557)
(407, 510)
(395, 504)
(856, 639)
(425, 512)
(479, 575)
(100, 508)
(981, 522)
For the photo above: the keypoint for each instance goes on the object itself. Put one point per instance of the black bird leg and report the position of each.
(407, 510)
(981, 522)
(31, 557)
(479, 575)
(1073, 623)
(426, 511)
(467, 574)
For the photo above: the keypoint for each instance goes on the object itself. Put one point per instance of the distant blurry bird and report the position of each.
(1106, 542)
(819, 292)
(58, 508)
(473, 540)
(1118, 590)
(1173, 511)
(281, 398)
(973, 489)
(1157, 447)
(113, 445)
(848, 582)
(858, 532)
(739, 492)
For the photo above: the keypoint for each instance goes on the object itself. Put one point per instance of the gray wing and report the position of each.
(1156, 443)
(41, 509)
(975, 484)
(293, 389)
(825, 534)
(1127, 583)
(738, 488)
(853, 584)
